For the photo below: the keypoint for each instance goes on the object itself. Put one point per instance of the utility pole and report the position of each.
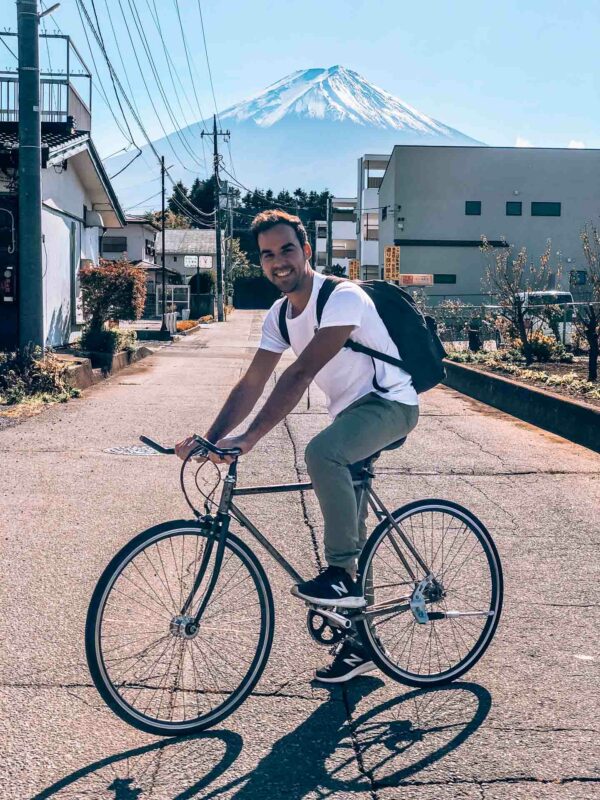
(215, 134)
(163, 327)
(329, 232)
(31, 290)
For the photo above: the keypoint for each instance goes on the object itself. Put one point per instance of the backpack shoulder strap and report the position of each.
(325, 292)
(283, 328)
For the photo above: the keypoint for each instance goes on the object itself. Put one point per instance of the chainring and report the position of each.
(322, 631)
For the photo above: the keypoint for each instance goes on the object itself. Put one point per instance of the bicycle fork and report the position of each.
(185, 625)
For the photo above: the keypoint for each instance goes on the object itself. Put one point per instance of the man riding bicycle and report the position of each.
(373, 404)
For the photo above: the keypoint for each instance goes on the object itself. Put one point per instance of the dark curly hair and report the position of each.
(275, 216)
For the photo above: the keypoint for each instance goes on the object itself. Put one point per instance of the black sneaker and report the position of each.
(350, 660)
(332, 587)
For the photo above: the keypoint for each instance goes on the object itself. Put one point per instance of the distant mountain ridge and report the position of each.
(306, 130)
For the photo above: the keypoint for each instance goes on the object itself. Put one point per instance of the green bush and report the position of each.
(28, 372)
(110, 340)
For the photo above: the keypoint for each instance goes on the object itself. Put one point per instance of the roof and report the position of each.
(140, 219)
(189, 242)
(149, 265)
(62, 142)
(53, 140)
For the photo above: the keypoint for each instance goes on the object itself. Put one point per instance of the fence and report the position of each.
(177, 298)
(478, 324)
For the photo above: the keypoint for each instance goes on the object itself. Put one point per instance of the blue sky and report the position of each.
(503, 73)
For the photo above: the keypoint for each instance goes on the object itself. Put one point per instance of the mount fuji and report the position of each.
(306, 130)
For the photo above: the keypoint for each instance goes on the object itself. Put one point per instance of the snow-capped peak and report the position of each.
(334, 93)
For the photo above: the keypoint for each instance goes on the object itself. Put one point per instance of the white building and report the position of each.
(343, 235)
(371, 168)
(437, 203)
(78, 201)
(137, 243)
(188, 250)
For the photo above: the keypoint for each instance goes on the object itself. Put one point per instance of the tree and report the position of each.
(587, 317)
(509, 278)
(177, 200)
(112, 290)
(177, 221)
(202, 195)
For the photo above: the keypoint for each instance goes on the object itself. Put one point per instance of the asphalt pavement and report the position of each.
(523, 723)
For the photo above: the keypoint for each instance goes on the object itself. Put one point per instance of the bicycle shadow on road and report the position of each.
(343, 747)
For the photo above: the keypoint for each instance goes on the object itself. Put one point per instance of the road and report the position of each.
(522, 724)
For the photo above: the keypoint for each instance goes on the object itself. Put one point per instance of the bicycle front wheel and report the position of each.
(463, 601)
(144, 662)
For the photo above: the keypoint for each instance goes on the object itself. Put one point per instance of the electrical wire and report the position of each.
(187, 57)
(156, 112)
(171, 66)
(179, 132)
(10, 50)
(152, 196)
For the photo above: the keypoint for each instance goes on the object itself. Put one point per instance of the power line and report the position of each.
(152, 196)
(187, 57)
(10, 50)
(140, 29)
(212, 87)
(158, 116)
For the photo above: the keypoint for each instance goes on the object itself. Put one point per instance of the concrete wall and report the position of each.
(431, 185)
(66, 242)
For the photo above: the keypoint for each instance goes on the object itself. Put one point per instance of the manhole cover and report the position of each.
(132, 450)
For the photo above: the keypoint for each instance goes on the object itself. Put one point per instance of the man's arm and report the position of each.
(244, 395)
(292, 384)
(240, 402)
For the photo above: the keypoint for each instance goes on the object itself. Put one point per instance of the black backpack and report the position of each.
(414, 334)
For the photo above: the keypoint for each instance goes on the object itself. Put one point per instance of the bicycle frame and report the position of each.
(228, 509)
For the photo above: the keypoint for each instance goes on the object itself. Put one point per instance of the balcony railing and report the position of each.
(65, 91)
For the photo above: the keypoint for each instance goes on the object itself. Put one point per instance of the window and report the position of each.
(383, 213)
(150, 249)
(343, 215)
(514, 208)
(444, 278)
(174, 258)
(321, 259)
(321, 232)
(114, 244)
(373, 182)
(545, 209)
(473, 208)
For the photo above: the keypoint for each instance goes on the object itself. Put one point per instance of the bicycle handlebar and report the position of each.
(169, 451)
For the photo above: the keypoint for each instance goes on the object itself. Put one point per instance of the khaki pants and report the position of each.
(365, 427)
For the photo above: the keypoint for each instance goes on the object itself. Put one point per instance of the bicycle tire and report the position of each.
(368, 629)
(234, 547)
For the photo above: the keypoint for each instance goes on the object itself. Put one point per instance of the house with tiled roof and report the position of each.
(78, 202)
(188, 250)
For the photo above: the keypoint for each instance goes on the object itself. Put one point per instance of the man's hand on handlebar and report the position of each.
(190, 443)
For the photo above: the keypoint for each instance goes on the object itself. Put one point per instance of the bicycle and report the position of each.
(180, 624)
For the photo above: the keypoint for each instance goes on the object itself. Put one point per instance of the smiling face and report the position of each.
(283, 259)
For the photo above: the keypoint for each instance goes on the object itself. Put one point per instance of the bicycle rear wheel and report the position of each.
(463, 602)
(146, 670)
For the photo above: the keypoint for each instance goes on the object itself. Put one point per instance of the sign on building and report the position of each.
(353, 269)
(197, 262)
(391, 263)
(416, 280)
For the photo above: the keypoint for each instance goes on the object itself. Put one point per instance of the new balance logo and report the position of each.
(339, 588)
(353, 661)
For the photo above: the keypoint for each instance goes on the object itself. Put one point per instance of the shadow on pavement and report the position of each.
(324, 755)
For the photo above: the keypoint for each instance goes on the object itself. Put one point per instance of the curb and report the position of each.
(81, 375)
(571, 419)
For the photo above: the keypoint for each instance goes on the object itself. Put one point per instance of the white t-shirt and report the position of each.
(348, 375)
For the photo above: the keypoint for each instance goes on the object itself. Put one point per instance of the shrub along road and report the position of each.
(522, 724)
